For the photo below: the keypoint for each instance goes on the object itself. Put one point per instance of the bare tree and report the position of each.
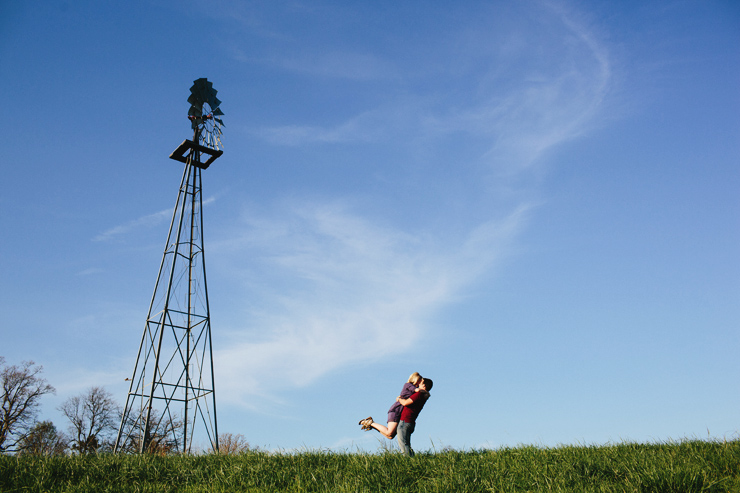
(43, 439)
(92, 416)
(161, 437)
(233, 444)
(22, 390)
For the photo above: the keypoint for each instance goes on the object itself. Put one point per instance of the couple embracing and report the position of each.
(403, 413)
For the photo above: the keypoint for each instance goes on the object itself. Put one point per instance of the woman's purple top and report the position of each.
(394, 413)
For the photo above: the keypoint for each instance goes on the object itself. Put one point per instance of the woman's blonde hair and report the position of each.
(415, 378)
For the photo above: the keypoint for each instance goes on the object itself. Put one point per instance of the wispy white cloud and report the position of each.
(553, 107)
(335, 287)
(340, 64)
(373, 125)
(554, 100)
(334, 64)
(362, 287)
(146, 222)
(294, 135)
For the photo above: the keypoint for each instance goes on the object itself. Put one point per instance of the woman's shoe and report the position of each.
(366, 423)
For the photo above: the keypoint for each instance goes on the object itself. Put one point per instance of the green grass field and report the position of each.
(671, 467)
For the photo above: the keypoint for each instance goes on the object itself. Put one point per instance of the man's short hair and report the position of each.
(429, 383)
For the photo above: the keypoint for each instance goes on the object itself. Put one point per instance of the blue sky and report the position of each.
(533, 203)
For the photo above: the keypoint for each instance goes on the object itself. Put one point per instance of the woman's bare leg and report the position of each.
(387, 431)
(392, 425)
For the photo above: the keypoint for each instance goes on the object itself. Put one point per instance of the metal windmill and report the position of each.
(172, 391)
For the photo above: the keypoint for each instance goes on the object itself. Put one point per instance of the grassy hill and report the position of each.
(671, 467)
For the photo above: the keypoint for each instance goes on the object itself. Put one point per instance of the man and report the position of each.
(411, 409)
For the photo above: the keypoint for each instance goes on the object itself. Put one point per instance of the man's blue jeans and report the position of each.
(404, 437)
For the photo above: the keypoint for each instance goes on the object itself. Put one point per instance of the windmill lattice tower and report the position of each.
(172, 391)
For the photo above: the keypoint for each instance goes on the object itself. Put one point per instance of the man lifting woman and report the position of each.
(403, 413)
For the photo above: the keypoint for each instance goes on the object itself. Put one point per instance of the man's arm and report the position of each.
(404, 402)
(421, 394)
